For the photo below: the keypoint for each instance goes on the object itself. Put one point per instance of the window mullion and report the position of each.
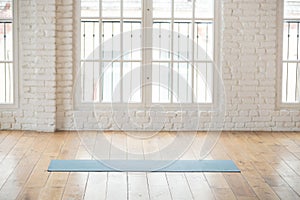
(193, 54)
(147, 44)
(121, 53)
(100, 75)
(172, 51)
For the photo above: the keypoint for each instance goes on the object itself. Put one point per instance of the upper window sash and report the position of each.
(291, 53)
(193, 20)
(8, 71)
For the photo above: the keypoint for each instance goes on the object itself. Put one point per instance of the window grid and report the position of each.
(290, 53)
(107, 62)
(192, 78)
(6, 53)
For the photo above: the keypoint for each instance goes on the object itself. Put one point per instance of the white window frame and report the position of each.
(280, 19)
(15, 104)
(146, 95)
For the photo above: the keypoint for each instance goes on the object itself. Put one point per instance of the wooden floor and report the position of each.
(269, 163)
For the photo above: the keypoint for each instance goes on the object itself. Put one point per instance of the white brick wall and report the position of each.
(36, 109)
(64, 63)
(248, 63)
(250, 78)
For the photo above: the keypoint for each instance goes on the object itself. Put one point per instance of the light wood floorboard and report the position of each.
(269, 163)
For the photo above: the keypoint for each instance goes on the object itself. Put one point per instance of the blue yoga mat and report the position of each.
(142, 166)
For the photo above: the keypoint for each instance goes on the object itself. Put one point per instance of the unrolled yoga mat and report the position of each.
(142, 166)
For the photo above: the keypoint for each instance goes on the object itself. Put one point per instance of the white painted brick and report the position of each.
(6, 126)
(7, 120)
(253, 113)
(248, 55)
(282, 119)
(168, 126)
(243, 113)
(140, 113)
(16, 126)
(177, 126)
(262, 119)
(157, 126)
(239, 125)
(160, 119)
(241, 119)
(139, 120)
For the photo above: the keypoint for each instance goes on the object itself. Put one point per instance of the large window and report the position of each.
(154, 51)
(6, 53)
(291, 52)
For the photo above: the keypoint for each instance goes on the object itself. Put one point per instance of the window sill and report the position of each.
(139, 106)
(4, 106)
(289, 106)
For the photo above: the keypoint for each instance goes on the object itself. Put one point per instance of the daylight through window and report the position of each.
(6, 52)
(291, 52)
(158, 51)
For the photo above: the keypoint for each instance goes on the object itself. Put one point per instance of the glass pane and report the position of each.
(132, 82)
(132, 8)
(2, 37)
(162, 8)
(182, 43)
(132, 40)
(161, 39)
(6, 83)
(291, 40)
(96, 81)
(9, 42)
(182, 83)
(183, 8)
(111, 85)
(203, 41)
(89, 39)
(204, 8)
(89, 80)
(292, 9)
(290, 83)
(6, 9)
(6, 41)
(284, 83)
(90, 8)
(203, 82)
(161, 82)
(111, 8)
(2, 83)
(285, 41)
(6, 52)
(111, 49)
